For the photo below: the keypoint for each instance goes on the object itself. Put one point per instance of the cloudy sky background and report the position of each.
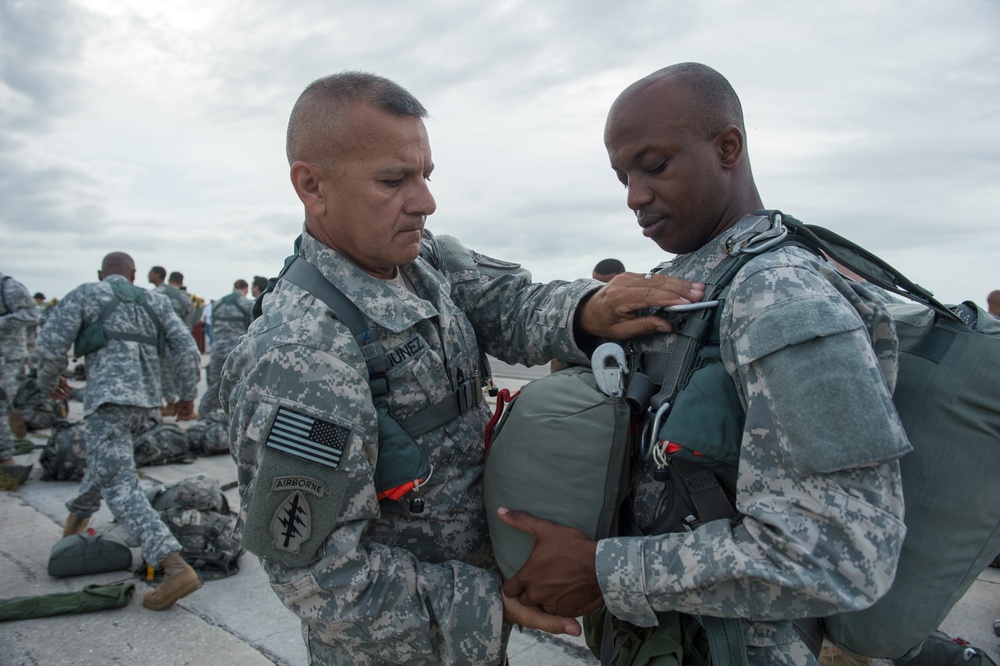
(158, 128)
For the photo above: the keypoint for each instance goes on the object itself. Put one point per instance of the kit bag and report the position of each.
(88, 600)
(197, 513)
(209, 435)
(89, 553)
(161, 444)
(584, 438)
(64, 457)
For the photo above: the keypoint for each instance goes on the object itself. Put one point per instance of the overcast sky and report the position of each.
(157, 128)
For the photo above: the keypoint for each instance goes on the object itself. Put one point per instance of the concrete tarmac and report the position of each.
(238, 620)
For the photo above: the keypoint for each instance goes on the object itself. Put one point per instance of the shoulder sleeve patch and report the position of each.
(308, 438)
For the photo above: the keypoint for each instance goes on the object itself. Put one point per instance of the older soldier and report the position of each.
(231, 316)
(813, 360)
(181, 304)
(18, 317)
(118, 327)
(360, 466)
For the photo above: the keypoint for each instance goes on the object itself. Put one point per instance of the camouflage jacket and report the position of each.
(18, 314)
(373, 582)
(122, 372)
(813, 358)
(179, 300)
(230, 315)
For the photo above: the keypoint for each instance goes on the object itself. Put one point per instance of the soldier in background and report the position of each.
(181, 304)
(122, 387)
(230, 317)
(19, 316)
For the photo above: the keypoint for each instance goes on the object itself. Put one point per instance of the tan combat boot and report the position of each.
(179, 580)
(17, 424)
(169, 410)
(74, 525)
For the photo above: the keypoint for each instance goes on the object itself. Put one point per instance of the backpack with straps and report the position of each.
(198, 515)
(95, 336)
(64, 456)
(945, 396)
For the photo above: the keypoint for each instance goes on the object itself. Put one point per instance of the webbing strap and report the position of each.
(112, 305)
(707, 494)
(468, 394)
(726, 640)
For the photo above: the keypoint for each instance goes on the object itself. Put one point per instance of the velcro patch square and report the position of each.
(308, 438)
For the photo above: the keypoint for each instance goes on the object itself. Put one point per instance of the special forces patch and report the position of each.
(291, 525)
(307, 438)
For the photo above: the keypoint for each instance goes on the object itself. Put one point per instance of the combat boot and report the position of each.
(169, 410)
(74, 525)
(179, 580)
(17, 425)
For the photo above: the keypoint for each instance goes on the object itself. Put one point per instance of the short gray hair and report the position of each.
(314, 112)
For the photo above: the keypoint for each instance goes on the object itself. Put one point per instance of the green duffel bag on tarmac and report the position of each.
(89, 599)
(89, 553)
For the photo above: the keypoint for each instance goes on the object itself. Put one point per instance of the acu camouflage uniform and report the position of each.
(813, 358)
(18, 315)
(169, 373)
(373, 582)
(230, 317)
(122, 387)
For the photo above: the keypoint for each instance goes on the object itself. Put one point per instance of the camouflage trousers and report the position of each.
(111, 473)
(168, 378)
(10, 375)
(213, 376)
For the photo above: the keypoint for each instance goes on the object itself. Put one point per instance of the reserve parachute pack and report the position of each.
(946, 399)
(198, 515)
(95, 336)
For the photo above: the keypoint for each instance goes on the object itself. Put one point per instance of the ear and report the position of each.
(100, 276)
(730, 146)
(306, 179)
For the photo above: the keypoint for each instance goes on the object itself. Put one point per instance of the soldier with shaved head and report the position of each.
(121, 330)
(799, 404)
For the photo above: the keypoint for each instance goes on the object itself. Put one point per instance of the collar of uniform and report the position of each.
(390, 308)
(111, 278)
(698, 265)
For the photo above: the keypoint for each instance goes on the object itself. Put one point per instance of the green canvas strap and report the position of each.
(726, 640)
(302, 273)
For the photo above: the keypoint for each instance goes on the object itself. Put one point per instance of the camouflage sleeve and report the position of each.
(306, 515)
(516, 320)
(818, 480)
(21, 309)
(56, 337)
(183, 349)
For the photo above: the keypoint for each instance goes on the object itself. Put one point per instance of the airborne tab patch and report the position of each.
(307, 438)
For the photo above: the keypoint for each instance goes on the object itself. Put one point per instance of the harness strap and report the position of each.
(710, 500)
(726, 640)
(467, 396)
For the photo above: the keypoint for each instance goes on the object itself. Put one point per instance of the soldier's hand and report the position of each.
(185, 408)
(611, 312)
(61, 392)
(560, 575)
(531, 617)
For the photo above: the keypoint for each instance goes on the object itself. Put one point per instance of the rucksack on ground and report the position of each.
(209, 435)
(37, 409)
(64, 457)
(161, 444)
(947, 401)
(198, 515)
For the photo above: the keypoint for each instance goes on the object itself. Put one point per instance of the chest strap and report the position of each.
(302, 273)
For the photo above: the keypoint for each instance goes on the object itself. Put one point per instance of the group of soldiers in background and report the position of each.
(141, 361)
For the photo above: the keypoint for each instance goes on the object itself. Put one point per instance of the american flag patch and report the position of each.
(307, 438)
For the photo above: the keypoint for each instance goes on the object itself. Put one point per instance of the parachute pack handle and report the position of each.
(861, 261)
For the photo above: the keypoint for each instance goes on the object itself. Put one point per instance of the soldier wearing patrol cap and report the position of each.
(360, 455)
